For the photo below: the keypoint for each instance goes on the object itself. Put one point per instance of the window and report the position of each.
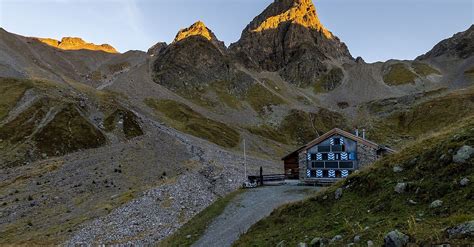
(346, 164)
(313, 156)
(325, 156)
(332, 164)
(337, 148)
(324, 149)
(337, 141)
(318, 164)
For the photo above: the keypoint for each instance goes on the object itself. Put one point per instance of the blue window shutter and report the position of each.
(345, 173)
(319, 156)
(344, 156)
(332, 174)
(352, 156)
(319, 173)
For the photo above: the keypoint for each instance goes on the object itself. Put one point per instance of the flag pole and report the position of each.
(245, 161)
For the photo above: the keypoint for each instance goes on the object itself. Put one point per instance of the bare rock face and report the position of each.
(199, 29)
(288, 37)
(157, 48)
(461, 45)
(73, 43)
(195, 59)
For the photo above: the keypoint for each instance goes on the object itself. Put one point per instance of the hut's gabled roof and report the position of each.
(294, 152)
(346, 134)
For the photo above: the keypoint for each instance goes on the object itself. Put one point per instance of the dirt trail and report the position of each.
(248, 208)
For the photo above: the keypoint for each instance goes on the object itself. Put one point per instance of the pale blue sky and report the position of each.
(377, 30)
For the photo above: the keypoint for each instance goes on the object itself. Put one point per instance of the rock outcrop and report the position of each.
(73, 43)
(288, 37)
(199, 29)
(461, 45)
(157, 48)
(195, 59)
(464, 230)
(396, 239)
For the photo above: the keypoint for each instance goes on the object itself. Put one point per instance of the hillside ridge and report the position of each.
(75, 43)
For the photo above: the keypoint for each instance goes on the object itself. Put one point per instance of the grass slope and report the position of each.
(300, 127)
(370, 207)
(55, 121)
(11, 90)
(183, 118)
(329, 81)
(427, 117)
(399, 74)
(469, 73)
(127, 120)
(424, 69)
(260, 98)
(68, 132)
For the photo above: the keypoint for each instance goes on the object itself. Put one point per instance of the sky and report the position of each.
(376, 30)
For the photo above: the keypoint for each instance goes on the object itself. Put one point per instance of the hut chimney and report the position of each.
(363, 133)
(357, 132)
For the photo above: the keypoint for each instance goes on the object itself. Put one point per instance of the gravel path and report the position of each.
(248, 208)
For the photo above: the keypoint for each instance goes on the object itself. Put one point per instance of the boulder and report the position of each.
(445, 159)
(357, 239)
(396, 239)
(338, 194)
(336, 238)
(370, 243)
(397, 169)
(463, 154)
(464, 182)
(317, 242)
(464, 230)
(436, 204)
(302, 244)
(400, 188)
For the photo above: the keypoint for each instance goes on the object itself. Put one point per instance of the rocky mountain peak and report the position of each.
(287, 37)
(461, 45)
(300, 12)
(157, 48)
(200, 30)
(75, 43)
(197, 29)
